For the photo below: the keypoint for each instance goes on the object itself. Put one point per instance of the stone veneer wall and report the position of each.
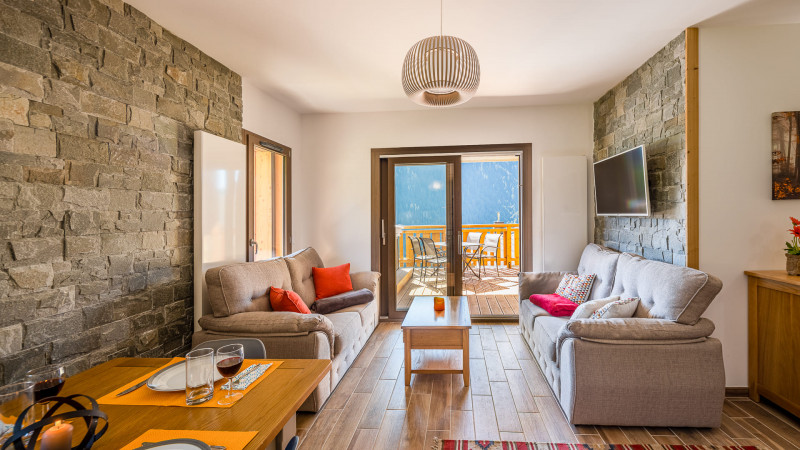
(648, 108)
(98, 105)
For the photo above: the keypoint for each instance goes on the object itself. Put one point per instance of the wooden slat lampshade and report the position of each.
(441, 71)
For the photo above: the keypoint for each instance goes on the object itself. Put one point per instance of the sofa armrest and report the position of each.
(269, 323)
(634, 329)
(539, 283)
(366, 280)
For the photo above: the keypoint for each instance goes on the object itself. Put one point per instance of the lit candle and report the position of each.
(58, 438)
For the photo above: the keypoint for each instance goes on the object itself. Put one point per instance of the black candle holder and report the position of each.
(91, 416)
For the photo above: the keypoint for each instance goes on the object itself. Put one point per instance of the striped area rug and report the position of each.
(449, 444)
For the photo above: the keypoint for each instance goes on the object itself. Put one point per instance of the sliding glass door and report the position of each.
(491, 233)
(420, 228)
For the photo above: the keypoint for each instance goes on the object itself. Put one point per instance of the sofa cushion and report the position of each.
(286, 300)
(545, 334)
(528, 312)
(618, 309)
(602, 262)
(366, 311)
(331, 281)
(346, 326)
(585, 310)
(243, 287)
(300, 264)
(665, 291)
(576, 288)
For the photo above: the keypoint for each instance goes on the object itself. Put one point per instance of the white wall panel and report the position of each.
(565, 211)
(220, 209)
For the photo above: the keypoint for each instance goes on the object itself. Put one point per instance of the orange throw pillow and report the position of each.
(283, 300)
(332, 280)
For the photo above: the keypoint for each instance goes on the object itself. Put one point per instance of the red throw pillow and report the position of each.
(554, 304)
(332, 280)
(284, 300)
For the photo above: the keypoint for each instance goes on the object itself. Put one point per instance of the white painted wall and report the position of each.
(265, 116)
(268, 117)
(332, 202)
(746, 73)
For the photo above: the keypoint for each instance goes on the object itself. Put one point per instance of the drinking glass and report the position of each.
(47, 382)
(199, 376)
(229, 360)
(14, 398)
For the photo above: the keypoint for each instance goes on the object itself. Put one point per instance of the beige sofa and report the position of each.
(239, 298)
(660, 368)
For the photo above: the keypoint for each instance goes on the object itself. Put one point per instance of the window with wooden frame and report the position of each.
(269, 224)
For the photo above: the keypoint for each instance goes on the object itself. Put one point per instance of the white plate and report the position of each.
(172, 378)
(176, 444)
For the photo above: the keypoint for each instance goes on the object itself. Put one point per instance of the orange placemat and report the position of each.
(231, 440)
(147, 397)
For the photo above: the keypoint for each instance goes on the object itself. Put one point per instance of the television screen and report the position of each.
(620, 184)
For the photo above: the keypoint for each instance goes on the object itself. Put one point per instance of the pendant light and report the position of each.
(441, 71)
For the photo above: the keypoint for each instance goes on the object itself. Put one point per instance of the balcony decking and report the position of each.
(492, 295)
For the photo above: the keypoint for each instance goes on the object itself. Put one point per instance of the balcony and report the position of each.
(494, 293)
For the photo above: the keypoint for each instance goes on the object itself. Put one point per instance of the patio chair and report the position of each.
(432, 255)
(471, 252)
(419, 255)
(491, 244)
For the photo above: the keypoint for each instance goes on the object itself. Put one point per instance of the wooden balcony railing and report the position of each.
(508, 250)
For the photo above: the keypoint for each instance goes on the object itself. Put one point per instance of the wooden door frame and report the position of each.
(692, 114)
(250, 140)
(526, 197)
(452, 222)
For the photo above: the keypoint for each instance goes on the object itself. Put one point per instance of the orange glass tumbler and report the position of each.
(438, 303)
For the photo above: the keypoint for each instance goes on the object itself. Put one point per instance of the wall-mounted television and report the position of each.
(620, 184)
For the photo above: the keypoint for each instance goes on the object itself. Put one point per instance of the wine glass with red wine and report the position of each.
(47, 382)
(229, 359)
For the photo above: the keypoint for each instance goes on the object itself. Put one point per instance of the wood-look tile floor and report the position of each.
(508, 398)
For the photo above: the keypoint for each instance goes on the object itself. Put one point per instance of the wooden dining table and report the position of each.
(269, 408)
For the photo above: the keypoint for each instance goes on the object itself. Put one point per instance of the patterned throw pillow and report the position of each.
(586, 309)
(576, 288)
(620, 309)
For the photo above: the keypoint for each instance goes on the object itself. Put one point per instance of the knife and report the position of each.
(132, 388)
(142, 383)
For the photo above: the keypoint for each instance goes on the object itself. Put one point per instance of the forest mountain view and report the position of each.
(490, 193)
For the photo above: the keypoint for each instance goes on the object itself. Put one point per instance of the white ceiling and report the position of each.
(346, 55)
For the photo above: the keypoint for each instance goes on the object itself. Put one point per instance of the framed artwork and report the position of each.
(786, 155)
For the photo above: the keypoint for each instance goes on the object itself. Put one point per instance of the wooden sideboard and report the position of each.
(773, 309)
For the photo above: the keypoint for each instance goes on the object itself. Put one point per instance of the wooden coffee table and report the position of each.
(425, 329)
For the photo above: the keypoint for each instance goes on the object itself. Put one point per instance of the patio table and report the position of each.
(471, 256)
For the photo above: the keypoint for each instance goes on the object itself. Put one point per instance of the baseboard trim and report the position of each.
(737, 392)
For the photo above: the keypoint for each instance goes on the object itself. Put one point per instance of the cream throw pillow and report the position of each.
(585, 310)
(620, 309)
